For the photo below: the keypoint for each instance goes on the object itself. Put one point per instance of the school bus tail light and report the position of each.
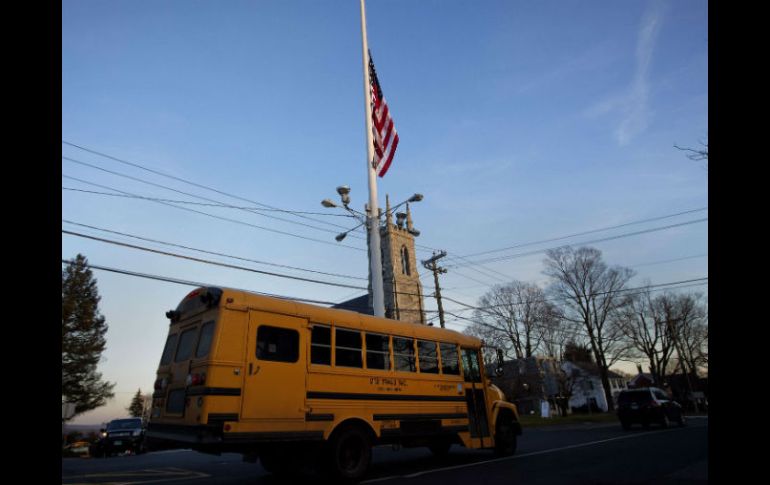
(161, 384)
(197, 379)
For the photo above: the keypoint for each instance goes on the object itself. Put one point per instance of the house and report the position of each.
(528, 382)
(587, 390)
(689, 391)
(641, 379)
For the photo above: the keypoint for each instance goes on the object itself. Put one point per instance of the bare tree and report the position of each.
(642, 320)
(692, 332)
(512, 316)
(697, 154)
(555, 331)
(590, 290)
(566, 382)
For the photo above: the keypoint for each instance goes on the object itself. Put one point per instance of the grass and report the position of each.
(531, 421)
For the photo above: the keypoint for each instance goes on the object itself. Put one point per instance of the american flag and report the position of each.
(385, 135)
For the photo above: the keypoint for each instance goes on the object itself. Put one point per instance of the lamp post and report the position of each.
(371, 219)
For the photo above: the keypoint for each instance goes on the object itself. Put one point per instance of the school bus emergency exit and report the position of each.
(281, 381)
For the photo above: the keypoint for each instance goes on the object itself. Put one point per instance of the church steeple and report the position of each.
(409, 226)
(403, 289)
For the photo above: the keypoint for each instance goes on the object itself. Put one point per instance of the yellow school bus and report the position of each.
(280, 381)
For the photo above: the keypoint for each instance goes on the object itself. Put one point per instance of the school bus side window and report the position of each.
(185, 347)
(277, 344)
(426, 350)
(347, 348)
(403, 354)
(377, 351)
(321, 345)
(204, 341)
(168, 350)
(449, 364)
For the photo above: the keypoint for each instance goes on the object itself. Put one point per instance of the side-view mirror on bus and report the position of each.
(499, 370)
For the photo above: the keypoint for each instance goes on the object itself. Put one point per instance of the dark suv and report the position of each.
(121, 435)
(648, 405)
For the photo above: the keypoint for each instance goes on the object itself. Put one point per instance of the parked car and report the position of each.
(77, 448)
(120, 435)
(648, 405)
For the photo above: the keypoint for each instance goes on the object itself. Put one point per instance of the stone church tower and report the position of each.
(401, 282)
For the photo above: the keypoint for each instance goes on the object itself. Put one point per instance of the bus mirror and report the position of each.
(499, 371)
(499, 361)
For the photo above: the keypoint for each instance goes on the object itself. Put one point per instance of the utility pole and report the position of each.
(431, 265)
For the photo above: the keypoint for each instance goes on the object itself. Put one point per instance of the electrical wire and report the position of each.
(210, 252)
(235, 221)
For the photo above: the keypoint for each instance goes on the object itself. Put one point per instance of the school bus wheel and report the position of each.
(350, 452)
(505, 435)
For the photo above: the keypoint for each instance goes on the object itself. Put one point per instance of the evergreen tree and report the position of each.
(136, 409)
(82, 331)
(574, 352)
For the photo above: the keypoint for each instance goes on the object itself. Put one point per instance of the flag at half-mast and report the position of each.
(385, 135)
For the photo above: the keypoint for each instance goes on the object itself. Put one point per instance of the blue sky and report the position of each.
(518, 121)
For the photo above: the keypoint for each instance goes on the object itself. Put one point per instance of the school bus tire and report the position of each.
(505, 435)
(349, 453)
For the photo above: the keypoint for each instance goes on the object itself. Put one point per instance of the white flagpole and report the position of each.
(375, 256)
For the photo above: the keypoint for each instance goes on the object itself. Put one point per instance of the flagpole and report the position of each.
(373, 216)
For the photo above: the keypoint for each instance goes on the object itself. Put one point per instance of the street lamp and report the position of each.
(371, 219)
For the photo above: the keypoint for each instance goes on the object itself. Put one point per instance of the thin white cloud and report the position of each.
(633, 105)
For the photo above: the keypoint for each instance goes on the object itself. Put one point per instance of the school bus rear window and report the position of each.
(168, 350)
(184, 350)
(204, 341)
(277, 344)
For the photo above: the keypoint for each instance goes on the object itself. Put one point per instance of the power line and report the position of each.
(212, 204)
(200, 284)
(619, 236)
(264, 206)
(624, 290)
(668, 216)
(179, 179)
(250, 210)
(211, 252)
(235, 221)
(576, 330)
(231, 266)
(199, 260)
(669, 260)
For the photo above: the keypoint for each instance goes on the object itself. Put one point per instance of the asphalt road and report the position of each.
(580, 454)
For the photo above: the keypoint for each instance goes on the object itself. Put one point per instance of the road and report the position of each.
(579, 454)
